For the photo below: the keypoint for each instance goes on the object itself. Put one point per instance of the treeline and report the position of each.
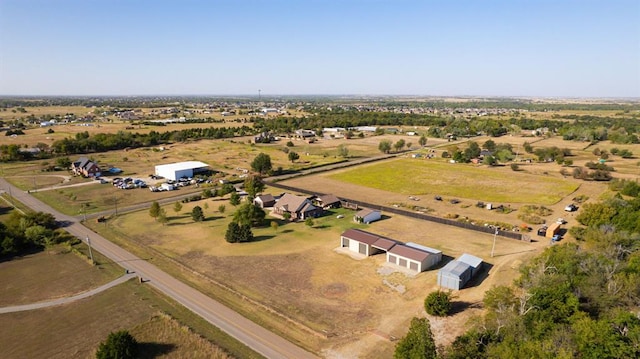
(84, 143)
(22, 233)
(577, 300)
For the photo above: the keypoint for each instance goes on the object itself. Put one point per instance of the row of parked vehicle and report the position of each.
(129, 183)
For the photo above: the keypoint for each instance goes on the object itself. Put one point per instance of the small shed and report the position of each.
(367, 216)
(265, 200)
(365, 242)
(552, 230)
(474, 262)
(454, 275)
(410, 257)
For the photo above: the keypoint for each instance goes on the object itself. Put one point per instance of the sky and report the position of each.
(524, 48)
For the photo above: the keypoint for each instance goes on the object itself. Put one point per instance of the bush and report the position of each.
(119, 345)
(438, 303)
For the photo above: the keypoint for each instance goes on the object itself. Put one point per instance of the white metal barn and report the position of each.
(174, 171)
(474, 262)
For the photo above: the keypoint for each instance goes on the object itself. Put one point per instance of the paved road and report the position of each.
(60, 301)
(254, 336)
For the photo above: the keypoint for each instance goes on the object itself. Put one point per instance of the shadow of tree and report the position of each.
(153, 350)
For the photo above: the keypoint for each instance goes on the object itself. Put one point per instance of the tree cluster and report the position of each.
(21, 233)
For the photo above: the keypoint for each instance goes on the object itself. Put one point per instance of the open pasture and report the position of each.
(431, 177)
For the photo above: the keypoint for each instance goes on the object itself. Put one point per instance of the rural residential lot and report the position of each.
(294, 278)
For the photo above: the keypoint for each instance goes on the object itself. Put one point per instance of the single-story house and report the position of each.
(298, 207)
(414, 256)
(367, 216)
(458, 272)
(328, 201)
(265, 200)
(365, 242)
(175, 171)
(85, 167)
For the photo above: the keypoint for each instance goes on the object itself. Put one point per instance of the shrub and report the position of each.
(438, 303)
(119, 345)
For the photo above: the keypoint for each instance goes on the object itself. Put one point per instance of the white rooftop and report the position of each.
(423, 248)
(470, 260)
(182, 165)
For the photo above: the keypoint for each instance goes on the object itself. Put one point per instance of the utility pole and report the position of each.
(494, 242)
(84, 213)
(90, 252)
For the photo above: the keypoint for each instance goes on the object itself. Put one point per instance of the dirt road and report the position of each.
(254, 336)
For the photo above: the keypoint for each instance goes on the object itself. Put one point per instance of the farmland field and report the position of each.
(427, 177)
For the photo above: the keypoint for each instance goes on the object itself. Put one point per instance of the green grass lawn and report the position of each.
(430, 177)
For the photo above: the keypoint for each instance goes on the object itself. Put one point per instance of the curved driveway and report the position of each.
(252, 335)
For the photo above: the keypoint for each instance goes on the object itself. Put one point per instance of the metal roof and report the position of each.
(423, 248)
(455, 268)
(470, 260)
(179, 166)
(402, 250)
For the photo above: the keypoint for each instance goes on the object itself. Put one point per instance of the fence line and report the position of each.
(423, 216)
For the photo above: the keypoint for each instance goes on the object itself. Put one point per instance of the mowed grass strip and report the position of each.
(430, 177)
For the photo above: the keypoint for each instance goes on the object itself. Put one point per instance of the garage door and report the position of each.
(413, 266)
(403, 262)
(363, 248)
(392, 259)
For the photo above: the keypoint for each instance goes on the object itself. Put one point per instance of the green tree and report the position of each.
(177, 207)
(384, 146)
(399, 145)
(489, 145)
(343, 151)
(234, 199)
(514, 167)
(309, 222)
(418, 343)
(438, 303)
(196, 214)
(422, 141)
(154, 210)
(527, 147)
(249, 214)
(261, 164)
(274, 226)
(63, 162)
(222, 208)
(289, 144)
(293, 156)
(233, 233)
(253, 185)
(119, 345)
(489, 160)
(162, 217)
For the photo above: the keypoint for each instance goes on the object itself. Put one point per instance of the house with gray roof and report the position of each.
(298, 207)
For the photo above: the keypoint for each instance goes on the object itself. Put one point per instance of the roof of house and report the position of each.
(371, 239)
(470, 260)
(328, 199)
(83, 162)
(292, 203)
(423, 248)
(405, 251)
(179, 166)
(265, 198)
(365, 212)
(456, 268)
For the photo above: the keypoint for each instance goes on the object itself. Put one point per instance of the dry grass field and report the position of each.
(75, 330)
(48, 275)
